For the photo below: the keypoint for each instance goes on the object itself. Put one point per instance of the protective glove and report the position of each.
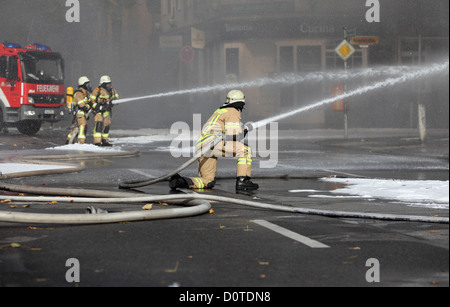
(247, 128)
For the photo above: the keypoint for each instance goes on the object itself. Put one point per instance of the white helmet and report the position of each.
(83, 80)
(105, 79)
(234, 96)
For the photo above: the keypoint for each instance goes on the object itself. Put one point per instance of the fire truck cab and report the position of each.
(31, 87)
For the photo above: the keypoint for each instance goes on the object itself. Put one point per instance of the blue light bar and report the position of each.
(11, 45)
(42, 47)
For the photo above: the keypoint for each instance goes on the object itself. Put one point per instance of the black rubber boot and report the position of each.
(176, 181)
(245, 184)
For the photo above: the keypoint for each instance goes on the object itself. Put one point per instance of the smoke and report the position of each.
(284, 80)
(120, 38)
(390, 82)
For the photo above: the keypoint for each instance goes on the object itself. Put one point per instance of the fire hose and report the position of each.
(102, 217)
(200, 207)
(138, 183)
(196, 204)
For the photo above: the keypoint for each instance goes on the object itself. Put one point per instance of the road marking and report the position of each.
(343, 173)
(141, 173)
(290, 234)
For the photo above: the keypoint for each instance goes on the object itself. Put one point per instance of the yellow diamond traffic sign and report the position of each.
(345, 50)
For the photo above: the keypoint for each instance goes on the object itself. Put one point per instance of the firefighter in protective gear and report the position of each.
(225, 122)
(81, 106)
(101, 99)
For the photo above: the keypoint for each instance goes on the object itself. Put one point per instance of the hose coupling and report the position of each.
(94, 210)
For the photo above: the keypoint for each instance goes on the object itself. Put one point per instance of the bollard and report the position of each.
(422, 122)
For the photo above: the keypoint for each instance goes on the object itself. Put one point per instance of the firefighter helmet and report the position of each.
(234, 96)
(83, 80)
(105, 79)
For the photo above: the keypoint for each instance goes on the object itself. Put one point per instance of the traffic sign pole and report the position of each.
(345, 91)
(345, 51)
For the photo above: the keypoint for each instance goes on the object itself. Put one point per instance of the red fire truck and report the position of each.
(31, 87)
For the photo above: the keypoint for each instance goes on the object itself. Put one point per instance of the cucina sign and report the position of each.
(272, 28)
(321, 29)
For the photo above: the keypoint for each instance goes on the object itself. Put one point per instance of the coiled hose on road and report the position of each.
(190, 207)
(203, 207)
(197, 204)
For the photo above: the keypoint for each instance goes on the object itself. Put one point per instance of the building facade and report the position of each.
(229, 41)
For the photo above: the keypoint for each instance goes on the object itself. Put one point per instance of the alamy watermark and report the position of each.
(73, 273)
(73, 13)
(373, 274)
(373, 14)
(263, 141)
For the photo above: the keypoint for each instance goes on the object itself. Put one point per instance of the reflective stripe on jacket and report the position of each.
(81, 101)
(225, 120)
(101, 96)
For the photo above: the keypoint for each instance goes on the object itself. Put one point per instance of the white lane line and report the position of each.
(141, 173)
(343, 173)
(290, 234)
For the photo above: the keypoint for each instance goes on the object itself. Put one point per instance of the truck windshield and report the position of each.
(41, 67)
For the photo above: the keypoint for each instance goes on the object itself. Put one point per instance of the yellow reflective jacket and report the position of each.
(81, 100)
(100, 96)
(224, 121)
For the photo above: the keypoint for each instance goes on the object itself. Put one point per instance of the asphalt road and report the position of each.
(234, 245)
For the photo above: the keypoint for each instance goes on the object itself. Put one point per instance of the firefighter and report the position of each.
(225, 122)
(81, 106)
(101, 99)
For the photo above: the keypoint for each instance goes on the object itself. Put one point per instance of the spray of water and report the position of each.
(286, 80)
(423, 72)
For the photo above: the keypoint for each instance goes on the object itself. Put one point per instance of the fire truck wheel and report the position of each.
(29, 127)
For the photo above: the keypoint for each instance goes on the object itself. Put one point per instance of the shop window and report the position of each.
(286, 58)
(287, 66)
(309, 58)
(232, 64)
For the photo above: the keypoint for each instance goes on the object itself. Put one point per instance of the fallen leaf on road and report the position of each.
(174, 270)
(248, 229)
